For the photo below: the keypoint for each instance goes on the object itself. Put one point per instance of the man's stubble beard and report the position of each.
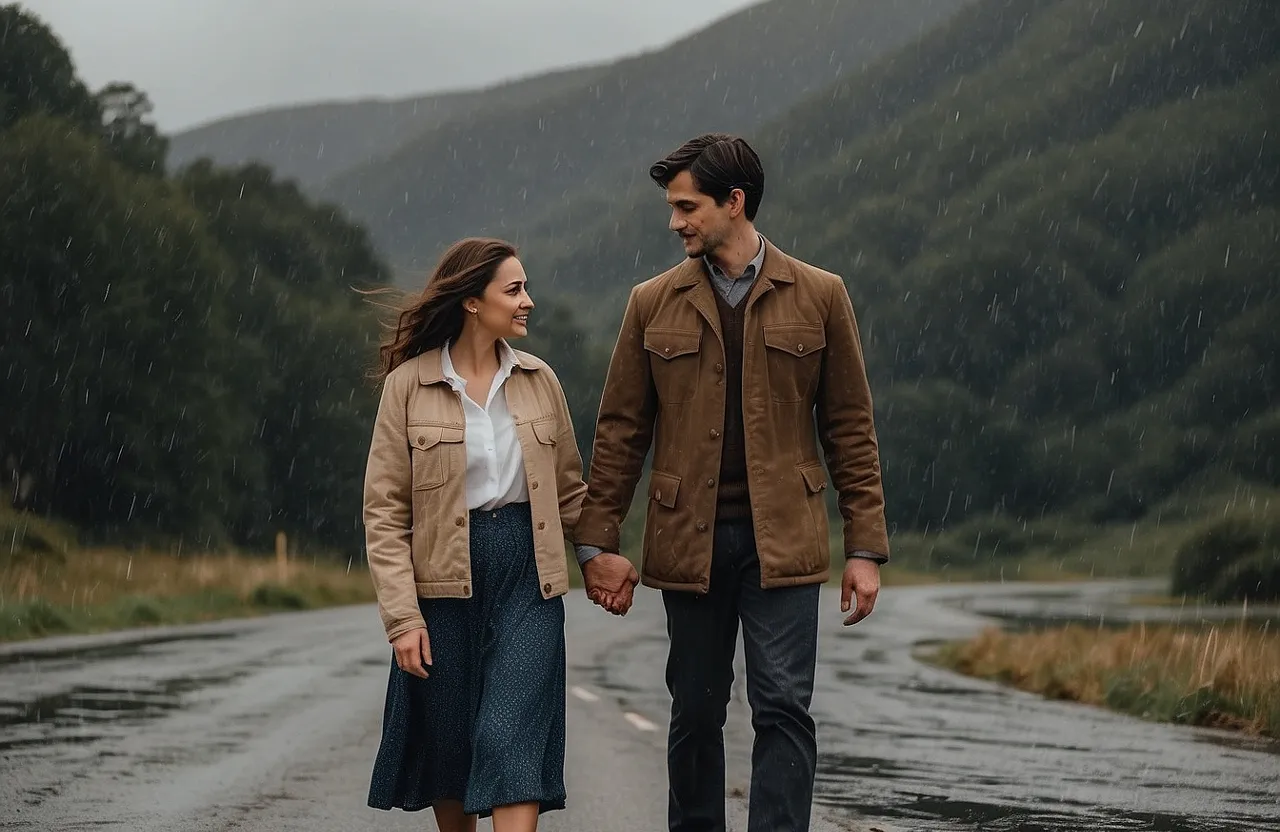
(710, 245)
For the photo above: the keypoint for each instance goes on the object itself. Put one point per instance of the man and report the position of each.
(724, 361)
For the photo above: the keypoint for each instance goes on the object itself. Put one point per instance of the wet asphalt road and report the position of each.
(271, 724)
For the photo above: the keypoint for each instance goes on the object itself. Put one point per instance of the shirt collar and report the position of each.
(507, 362)
(752, 269)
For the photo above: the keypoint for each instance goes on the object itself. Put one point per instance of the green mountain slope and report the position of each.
(313, 142)
(1059, 223)
(497, 172)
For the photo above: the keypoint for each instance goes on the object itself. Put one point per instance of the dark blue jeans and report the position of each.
(780, 637)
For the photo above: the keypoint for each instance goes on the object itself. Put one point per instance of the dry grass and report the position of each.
(97, 575)
(100, 589)
(1218, 676)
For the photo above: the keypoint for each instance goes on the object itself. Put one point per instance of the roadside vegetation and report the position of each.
(49, 586)
(1219, 542)
(1223, 677)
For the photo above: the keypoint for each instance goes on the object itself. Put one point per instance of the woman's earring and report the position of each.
(472, 310)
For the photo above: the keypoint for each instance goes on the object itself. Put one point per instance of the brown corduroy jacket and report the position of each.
(802, 358)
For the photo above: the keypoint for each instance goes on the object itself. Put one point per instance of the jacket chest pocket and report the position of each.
(545, 429)
(673, 361)
(433, 447)
(794, 353)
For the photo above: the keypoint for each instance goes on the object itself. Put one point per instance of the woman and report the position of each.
(473, 482)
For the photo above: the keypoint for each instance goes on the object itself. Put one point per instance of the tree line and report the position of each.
(184, 357)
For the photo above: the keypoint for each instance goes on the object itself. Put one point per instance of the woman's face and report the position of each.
(503, 311)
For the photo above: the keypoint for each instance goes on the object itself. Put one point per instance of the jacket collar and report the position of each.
(431, 363)
(776, 268)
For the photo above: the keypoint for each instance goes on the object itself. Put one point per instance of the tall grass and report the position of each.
(92, 590)
(1225, 677)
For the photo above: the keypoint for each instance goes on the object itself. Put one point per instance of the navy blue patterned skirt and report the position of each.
(487, 726)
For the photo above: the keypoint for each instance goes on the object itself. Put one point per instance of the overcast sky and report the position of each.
(203, 59)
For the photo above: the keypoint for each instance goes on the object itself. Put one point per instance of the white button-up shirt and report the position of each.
(495, 461)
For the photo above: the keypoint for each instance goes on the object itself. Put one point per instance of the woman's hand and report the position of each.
(413, 652)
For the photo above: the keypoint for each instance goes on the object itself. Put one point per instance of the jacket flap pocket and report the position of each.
(670, 343)
(798, 339)
(545, 430)
(424, 435)
(663, 488)
(815, 477)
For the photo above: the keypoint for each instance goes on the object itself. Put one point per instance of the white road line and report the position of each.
(584, 694)
(640, 722)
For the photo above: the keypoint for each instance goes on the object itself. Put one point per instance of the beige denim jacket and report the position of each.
(417, 532)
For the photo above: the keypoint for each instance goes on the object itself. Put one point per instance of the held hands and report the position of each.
(861, 582)
(413, 652)
(610, 581)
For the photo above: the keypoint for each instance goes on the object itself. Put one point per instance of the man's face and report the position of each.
(702, 225)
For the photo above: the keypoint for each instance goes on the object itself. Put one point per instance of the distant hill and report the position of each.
(311, 143)
(1060, 224)
(582, 149)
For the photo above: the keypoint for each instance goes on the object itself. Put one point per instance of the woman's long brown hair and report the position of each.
(428, 321)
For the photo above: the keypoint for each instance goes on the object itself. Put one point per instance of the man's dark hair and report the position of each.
(718, 163)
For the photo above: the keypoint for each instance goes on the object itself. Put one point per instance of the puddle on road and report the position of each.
(942, 814)
(868, 790)
(83, 706)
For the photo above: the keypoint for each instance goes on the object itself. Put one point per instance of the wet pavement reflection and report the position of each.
(904, 745)
(922, 748)
(199, 723)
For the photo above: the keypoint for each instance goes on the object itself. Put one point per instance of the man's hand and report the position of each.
(610, 581)
(861, 581)
(413, 652)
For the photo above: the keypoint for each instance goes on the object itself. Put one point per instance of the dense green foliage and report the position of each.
(183, 356)
(1231, 559)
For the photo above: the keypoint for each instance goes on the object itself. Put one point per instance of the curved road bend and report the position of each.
(271, 724)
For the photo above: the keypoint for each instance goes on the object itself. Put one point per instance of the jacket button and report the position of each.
(466, 590)
(546, 588)
(711, 483)
(541, 525)
(657, 495)
(534, 486)
(715, 434)
(702, 525)
(719, 368)
(799, 347)
(459, 521)
(667, 351)
(422, 440)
